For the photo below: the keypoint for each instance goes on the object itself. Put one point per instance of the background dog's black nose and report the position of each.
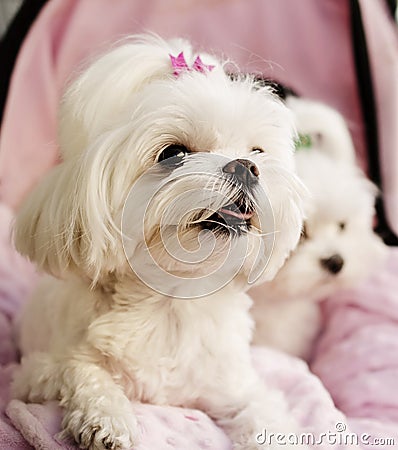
(333, 263)
(244, 170)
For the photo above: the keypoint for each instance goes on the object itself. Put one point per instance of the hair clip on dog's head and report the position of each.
(303, 141)
(180, 65)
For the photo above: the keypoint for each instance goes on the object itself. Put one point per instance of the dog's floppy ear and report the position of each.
(322, 128)
(65, 224)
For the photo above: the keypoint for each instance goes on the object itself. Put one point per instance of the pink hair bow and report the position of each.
(180, 65)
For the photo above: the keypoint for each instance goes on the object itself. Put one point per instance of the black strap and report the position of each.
(392, 6)
(367, 98)
(12, 41)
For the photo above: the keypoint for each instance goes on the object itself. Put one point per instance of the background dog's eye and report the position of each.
(257, 150)
(317, 138)
(341, 226)
(173, 151)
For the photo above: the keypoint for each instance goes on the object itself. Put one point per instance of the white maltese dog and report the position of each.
(152, 228)
(338, 247)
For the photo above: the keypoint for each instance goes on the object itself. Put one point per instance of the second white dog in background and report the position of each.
(338, 247)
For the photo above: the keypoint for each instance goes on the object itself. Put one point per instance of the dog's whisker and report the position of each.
(221, 224)
(258, 233)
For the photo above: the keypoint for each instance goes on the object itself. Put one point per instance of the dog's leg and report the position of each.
(97, 412)
(36, 379)
(258, 411)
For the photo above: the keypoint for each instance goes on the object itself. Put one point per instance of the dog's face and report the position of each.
(217, 182)
(338, 246)
(196, 167)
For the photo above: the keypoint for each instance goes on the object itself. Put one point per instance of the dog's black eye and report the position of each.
(173, 151)
(304, 233)
(257, 150)
(341, 226)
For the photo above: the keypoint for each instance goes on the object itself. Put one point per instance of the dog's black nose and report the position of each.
(333, 264)
(245, 171)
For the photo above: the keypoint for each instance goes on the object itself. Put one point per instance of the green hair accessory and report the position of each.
(304, 141)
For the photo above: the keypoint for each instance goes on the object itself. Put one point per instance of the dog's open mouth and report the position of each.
(236, 212)
(235, 217)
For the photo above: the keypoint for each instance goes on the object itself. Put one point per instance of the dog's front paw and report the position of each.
(99, 432)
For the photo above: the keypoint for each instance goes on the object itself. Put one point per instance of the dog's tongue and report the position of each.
(238, 214)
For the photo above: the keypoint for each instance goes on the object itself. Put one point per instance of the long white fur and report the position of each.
(287, 311)
(94, 336)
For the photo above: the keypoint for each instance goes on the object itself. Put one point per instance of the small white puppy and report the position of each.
(338, 247)
(152, 228)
